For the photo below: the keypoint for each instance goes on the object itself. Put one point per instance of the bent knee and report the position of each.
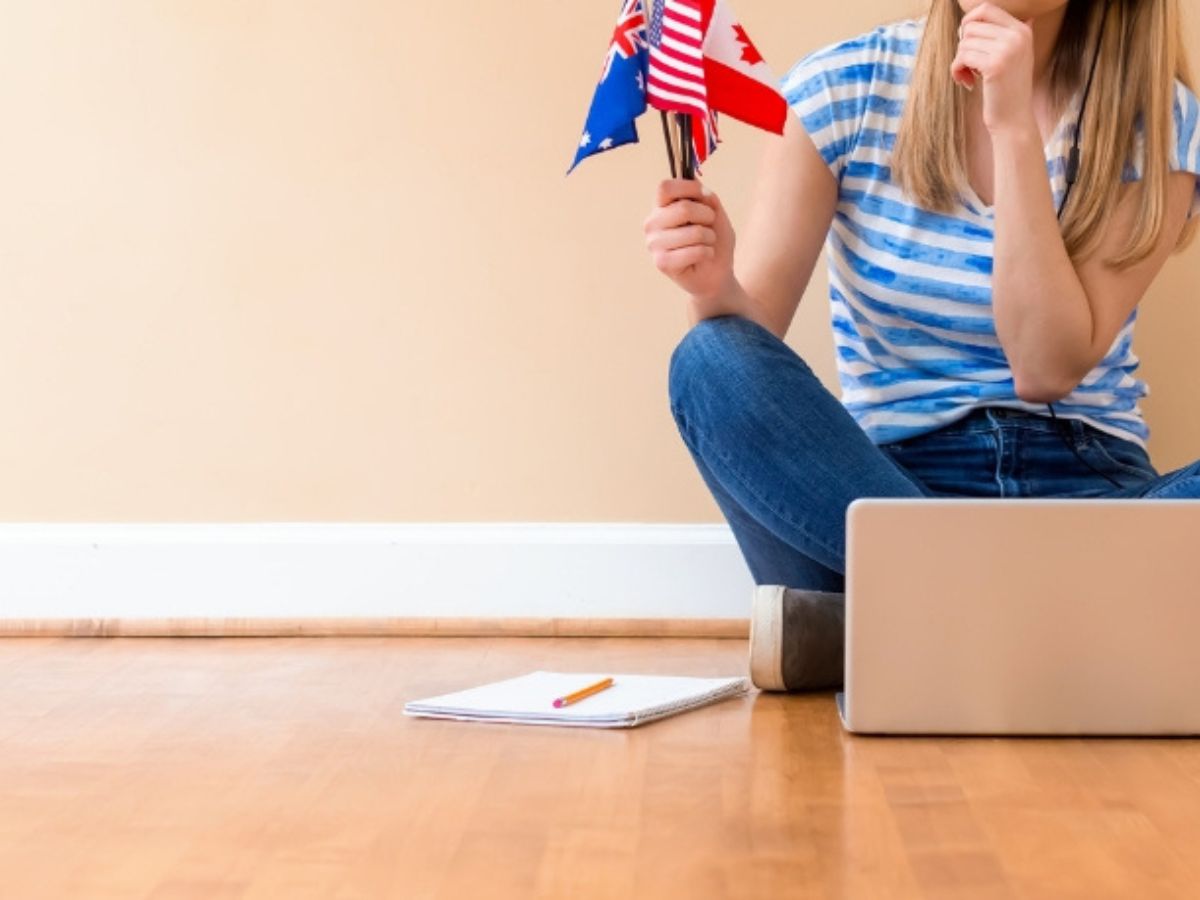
(711, 349)
(1182, 484)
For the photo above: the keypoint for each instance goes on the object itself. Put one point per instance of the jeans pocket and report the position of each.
(1110, 453)
(948, 461)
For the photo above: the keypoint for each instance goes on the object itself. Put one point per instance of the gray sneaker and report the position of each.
(797, 639)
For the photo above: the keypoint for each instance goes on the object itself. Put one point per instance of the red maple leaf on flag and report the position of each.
(737, 80)
(750, 54)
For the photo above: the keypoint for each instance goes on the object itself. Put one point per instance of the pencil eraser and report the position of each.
(558, 704)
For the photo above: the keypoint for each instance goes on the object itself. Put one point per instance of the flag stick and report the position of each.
(667, 137)
(687, 162)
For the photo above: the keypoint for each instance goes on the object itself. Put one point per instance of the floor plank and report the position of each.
(283, 767)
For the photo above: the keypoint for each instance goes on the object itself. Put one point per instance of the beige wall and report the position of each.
(318, 260)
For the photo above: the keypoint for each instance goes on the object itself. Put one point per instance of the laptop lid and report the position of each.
(1022, 616)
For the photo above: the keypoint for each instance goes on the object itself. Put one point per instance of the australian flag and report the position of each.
(621, 94)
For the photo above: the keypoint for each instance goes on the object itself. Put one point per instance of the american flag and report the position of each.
(676, 73)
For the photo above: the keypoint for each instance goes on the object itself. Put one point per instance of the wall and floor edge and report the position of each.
(259, 579)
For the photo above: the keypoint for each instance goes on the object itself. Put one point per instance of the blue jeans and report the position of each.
(784, 459)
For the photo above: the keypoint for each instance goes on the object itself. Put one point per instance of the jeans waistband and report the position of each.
(987, 418)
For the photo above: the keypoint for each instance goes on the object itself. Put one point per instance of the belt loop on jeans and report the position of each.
(1071, 428)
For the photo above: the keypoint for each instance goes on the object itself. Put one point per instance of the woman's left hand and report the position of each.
(999, 48)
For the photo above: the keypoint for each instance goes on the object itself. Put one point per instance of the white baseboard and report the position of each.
(155, 571)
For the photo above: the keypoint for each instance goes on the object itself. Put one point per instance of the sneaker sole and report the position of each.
(766, 638)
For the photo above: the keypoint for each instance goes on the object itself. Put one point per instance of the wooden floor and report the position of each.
(283, 769)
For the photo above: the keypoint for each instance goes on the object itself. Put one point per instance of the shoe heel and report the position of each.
(766, 637)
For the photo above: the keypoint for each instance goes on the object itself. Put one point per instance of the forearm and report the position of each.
(733, 300)
(1043, 318)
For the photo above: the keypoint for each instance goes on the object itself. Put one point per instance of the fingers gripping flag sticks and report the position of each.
(687, 57)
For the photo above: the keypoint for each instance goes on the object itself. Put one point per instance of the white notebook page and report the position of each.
(632, 699)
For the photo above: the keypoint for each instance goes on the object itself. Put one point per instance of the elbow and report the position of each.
(1043, 387)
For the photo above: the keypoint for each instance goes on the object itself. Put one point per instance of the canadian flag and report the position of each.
(737, 80)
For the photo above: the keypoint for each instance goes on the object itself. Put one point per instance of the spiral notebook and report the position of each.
(528, 699)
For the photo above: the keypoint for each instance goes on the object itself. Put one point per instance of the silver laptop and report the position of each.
(1022, 616)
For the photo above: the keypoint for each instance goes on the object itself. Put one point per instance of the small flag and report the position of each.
(621, 94)
(690, 57)
(737, 80)
(675, 80)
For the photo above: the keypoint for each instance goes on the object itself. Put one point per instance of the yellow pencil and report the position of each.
(583, 692)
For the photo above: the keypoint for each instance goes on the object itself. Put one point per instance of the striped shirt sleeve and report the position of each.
(829, 90)
(1185, 148)
(1185, 142)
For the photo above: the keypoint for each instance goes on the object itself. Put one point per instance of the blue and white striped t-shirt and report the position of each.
(911, 289)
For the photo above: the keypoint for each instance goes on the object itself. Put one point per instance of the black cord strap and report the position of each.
(1072, 174)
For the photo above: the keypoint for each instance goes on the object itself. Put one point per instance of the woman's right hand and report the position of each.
(691, 238)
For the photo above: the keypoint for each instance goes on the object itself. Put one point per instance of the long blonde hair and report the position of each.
(1141, 56)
